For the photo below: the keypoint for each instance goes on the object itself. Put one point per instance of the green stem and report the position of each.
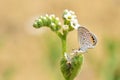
(64, 47)
(63, 40)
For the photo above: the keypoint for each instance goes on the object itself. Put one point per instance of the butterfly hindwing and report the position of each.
(94, 39)
(86, 39)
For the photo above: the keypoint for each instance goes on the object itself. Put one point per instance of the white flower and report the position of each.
(68, 15)
(59, 23)
(46, 15)
(52, 16)
(65, 27)
(74, 23)
(52, 24)
(72, 12)
(66, 10)
(44, 18)
(57, 19)
(39, 20)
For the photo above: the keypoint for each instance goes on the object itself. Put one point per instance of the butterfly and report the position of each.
(86, 40)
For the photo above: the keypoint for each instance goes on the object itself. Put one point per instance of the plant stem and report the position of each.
(63, 39)
(63, 45)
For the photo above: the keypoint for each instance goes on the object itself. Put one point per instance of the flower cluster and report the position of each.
(69, 17)
(70, 20)
(48, 21)
(70, 64)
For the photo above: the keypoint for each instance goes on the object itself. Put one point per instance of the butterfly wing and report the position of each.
(86, 39)
(94, 39)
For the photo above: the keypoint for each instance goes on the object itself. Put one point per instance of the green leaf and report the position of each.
(70, 70)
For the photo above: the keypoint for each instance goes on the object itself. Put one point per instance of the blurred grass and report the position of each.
(108, 66)
(112, 67)
(54, 49)
(8, 73)
(51, 54)
(1, 42)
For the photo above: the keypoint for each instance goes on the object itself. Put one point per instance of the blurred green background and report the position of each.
(34, 54)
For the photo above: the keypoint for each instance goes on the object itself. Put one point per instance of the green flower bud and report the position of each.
(48, 21)
(54, 27)
(40, 23)
(36, 25)
(44, 20)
